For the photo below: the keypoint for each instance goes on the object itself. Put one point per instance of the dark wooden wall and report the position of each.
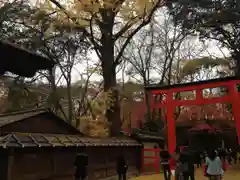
(58, 164)
(3, 164)
(102, 161)
(44, 123)
(43, 165)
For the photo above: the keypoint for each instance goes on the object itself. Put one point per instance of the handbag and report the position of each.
(204, 169)
(225, 166)
(184, 167)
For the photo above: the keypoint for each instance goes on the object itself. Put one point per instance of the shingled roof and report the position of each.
(9, 118)
(144, 135)
(22, 140)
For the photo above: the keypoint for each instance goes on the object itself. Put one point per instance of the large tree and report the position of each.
(104, 23)
(19, 25)
(212, 19)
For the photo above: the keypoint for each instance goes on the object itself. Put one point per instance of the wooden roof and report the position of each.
(20, 61)
(10, 118)
(23, 140)
(164, 87)
(145, 135)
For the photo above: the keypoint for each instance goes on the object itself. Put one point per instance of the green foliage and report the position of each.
(102, 103)
(21, 98)
(214, 19)
(130, 87)
(192, 66)
(97, 125)
(155, 124)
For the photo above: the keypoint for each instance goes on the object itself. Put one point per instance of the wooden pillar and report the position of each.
(235, 107)
(10, 164)
(171, 126)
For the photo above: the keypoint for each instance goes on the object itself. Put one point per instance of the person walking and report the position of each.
(164, 161)
(197, 159)
(229, 155)
(81, 163)
(191, 162)
(176, 158)
(122, 168)
(214, 167)
(183, 166)
(234, 156)
(187, 167)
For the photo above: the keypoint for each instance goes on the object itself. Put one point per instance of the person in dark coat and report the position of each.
(229, 155)
(81, 163)
(187, 162)
(234, 156)
(198, 159)
(176, 157)
(191, 168)
(164, 160)
(122, 168)
(222, 154)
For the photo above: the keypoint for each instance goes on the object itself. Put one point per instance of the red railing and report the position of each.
(155, 158)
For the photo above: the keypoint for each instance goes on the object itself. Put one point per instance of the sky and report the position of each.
(213, 50)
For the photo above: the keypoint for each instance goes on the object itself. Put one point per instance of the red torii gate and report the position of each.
(170, 103)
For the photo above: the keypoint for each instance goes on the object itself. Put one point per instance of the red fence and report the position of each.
(155, 158)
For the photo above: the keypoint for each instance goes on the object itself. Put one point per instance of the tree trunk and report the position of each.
(110, 83)
(54, 94)
(237, 70)
(236, 57)
(54, 97)
(147, 101)
(109, 70)
(70, 103)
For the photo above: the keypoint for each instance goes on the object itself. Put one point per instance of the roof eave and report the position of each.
(166, 87)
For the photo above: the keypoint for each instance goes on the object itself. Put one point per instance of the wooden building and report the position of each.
(37, 144)
(149, 140)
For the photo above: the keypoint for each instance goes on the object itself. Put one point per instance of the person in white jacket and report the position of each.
(214, 166)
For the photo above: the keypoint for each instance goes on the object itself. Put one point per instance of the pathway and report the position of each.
(232, 174)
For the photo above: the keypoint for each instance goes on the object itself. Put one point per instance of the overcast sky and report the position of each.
(211, 50)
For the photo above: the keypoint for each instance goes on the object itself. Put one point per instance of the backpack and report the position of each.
(183, 167)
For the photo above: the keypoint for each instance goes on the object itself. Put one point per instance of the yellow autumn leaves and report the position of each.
(96, 124)
(80, 12)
